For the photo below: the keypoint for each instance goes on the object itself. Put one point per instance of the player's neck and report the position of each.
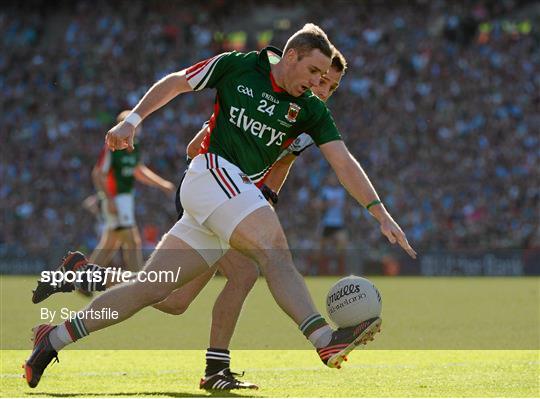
(278, 74)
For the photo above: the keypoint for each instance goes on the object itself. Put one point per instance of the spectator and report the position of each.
(442, 114)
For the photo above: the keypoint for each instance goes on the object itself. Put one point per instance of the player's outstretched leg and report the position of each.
(260, 236)
(123, 300)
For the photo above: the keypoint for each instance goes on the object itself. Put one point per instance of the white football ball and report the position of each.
(353, 300)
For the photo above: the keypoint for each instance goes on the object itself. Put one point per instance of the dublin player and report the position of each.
(240, 271)
(223, 206)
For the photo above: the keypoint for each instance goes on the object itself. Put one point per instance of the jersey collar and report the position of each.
(263, 63)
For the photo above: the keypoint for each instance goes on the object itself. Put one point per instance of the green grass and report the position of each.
(286, 373)
(442, 337)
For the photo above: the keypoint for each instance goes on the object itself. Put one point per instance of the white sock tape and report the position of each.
(133, 119)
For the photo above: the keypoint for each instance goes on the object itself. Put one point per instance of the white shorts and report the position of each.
(216, 196)
(125, 208)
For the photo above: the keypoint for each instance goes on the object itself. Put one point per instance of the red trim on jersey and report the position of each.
(203, 149)
(288, 142)
(198, 67)
(275, 86)
(112, 188)
(211, 125)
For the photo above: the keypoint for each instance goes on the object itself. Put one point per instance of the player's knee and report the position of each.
(243, 283)
(272, 248)
(276, 240)
(179, 309)
(176, 308)
(278, 254)
(247, 279)
(153, 293)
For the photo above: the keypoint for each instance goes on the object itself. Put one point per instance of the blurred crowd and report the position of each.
(440, 105)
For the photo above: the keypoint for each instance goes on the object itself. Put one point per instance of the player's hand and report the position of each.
(111, 206)
(269, 194)
(393, 232)
(121, 137)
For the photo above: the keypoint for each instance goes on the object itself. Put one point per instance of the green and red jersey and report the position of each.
(119, 167)
(254, 120)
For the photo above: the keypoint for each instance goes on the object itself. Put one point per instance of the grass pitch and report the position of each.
(290, 373)
(442, 337)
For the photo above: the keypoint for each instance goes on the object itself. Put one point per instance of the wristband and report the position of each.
(269, 194)
(133, 119)
(373, 203)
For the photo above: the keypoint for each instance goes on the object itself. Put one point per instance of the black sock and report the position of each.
(216, 360)
(94, 280)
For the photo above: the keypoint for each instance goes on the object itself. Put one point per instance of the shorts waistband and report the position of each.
(211, 161)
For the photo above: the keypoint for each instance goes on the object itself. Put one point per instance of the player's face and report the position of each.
(305, 73)
(329, 84)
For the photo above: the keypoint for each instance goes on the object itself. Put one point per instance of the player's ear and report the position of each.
(291, 56)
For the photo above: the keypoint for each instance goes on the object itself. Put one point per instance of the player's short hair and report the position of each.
(309, 38)
(339, 62)
(122, 115)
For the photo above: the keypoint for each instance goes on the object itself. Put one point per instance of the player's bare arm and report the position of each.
(277, 176)
(97, 179)
(144, 175)
(121, 136)
(356, 182)
(195, 144)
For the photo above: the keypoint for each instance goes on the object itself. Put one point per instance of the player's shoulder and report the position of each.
(240, 59)
(240, 55)
(312, 101)
(313, 105)
(230, 65)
